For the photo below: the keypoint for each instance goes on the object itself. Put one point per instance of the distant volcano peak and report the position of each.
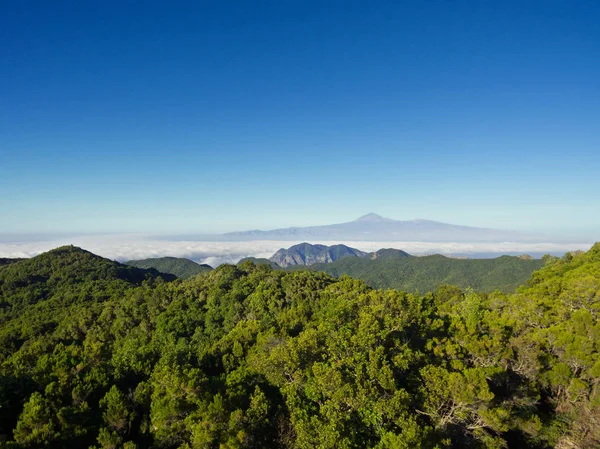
(372, 218)
(373, 227)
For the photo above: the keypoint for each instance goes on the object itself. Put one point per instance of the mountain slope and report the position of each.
(393, 268)
(259, 261)
(388, 253)
(307, 254)
(426, 273)
(180, 267)
(373, 227)
(6, 261)
(65, 275)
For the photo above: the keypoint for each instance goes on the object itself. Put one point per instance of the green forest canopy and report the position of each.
(180, 267)
(426, 273)
(95, 353)
(391, 268)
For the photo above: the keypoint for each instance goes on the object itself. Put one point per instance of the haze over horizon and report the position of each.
(369, 233)
(371, 220)
(211, 118)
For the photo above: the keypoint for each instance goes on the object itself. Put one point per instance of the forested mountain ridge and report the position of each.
(180, 267)
(388, 253)
(394, 268)
(71, 264)
(247, 356)
(63, 272)
(426, 273)
(259, 261)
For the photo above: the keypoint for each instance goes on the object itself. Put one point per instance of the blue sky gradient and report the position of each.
(180, 117)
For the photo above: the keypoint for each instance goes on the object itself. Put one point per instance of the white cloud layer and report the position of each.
(129, 246)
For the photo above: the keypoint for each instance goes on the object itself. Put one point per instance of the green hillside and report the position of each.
(6, 261)
(393, 268)
(180, 267)
(97, 354)
(389, 253)
(403, 272)
(259, 261)
(64, 276)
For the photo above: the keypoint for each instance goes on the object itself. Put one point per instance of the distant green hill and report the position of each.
(259, 261)
(180, 267)
(394, 268)
(388, 253)
(63, 276)
(404, 272)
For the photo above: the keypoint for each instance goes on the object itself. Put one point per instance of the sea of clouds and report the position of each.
(135, 246)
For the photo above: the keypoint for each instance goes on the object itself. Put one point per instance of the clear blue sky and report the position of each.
(125, 116)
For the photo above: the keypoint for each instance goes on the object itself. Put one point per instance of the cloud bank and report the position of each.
(134, 246)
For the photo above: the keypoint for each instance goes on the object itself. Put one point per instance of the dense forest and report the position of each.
(392, 268)
(386, 268)
(98, 354)
(180, 267)
(398, 270)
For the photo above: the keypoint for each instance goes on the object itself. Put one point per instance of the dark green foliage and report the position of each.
(182, 268)
(63, 276)
(260, 261)
(5, 261)
(389, 253)
(251, 357)
(396, 269)
(393, 268)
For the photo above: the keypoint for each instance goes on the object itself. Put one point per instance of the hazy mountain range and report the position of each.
(373, 227)
(368, 233)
